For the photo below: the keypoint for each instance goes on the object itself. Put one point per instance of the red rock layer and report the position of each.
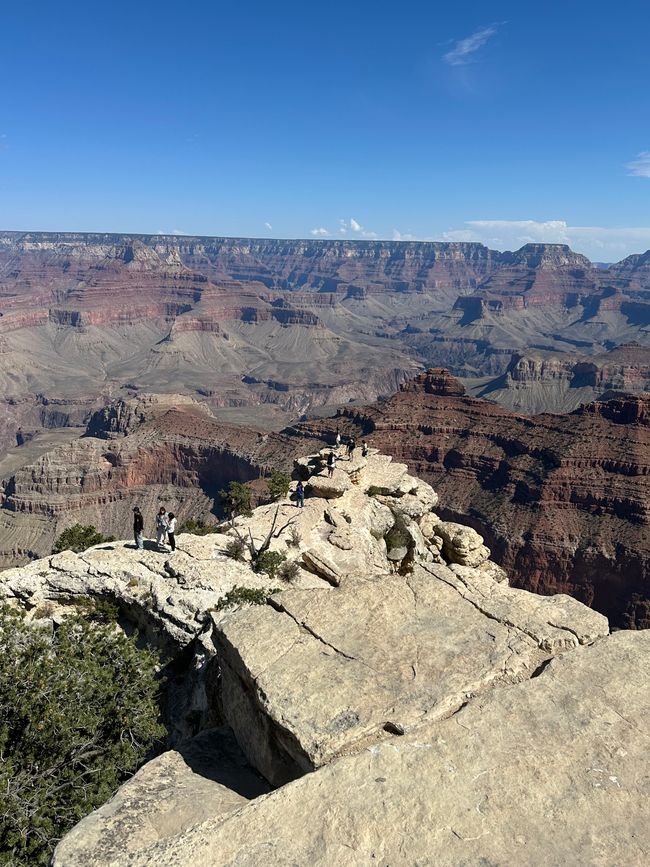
(562, 500)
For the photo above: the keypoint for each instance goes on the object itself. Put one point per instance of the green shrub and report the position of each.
(374, 491)
(198, 527)
(236, 500)
(79, 538)
(245, 596)
(278, 484)
(269, 562)
(236, 548)
(78, 714)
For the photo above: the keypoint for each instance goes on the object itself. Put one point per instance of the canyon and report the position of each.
(297, 327)
(156, 369)
(395, 702)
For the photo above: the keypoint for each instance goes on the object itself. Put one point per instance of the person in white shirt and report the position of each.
(171, 530)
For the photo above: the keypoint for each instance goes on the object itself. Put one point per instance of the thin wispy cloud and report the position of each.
(320, 233)
(639, 167)
(268, 226)
(464, 51)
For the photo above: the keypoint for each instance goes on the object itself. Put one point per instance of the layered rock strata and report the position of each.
(421, 711)
(563, 501)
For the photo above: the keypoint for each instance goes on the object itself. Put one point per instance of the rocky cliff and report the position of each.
(563, 500)
(398, 703)
(295, 326)
(143, 451)
(541, 381)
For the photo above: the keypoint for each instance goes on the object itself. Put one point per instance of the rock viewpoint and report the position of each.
(563, 501)
(396, 703)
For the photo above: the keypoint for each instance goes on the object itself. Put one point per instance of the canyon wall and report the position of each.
(563, 501)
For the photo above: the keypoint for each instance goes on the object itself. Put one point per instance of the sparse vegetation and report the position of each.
(294, 537)
(278, 484)
(236, 548)
(78, 714)
(198, 527)
(288, 571)
(79, 538)
(269, 562)
(236, 500)
(245, 596)
(374, 491)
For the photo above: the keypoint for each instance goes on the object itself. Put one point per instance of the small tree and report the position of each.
(78, 713)
(269, 562)
(198, 527)
(278, 485)
(236, 500)
(79, 538)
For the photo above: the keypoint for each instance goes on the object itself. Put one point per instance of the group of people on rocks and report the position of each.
(165, 527)
(350, 446)
(166, 521)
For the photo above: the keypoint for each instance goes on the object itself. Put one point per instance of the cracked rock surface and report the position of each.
(319, 672)
(547, 771)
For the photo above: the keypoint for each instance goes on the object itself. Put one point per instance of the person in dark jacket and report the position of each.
(138, 527)
(300, 494)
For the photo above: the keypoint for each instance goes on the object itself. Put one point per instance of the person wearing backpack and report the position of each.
(300, 494)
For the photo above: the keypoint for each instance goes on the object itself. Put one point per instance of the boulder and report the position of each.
(461, 544)
(329, 488)
(208, 776)
(547, 771)
(322, 565)
(319, 672)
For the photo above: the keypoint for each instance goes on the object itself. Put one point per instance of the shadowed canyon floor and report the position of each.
(398, 703)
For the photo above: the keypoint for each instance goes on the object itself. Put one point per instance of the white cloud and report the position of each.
(640, 167)
(404, 236)
(464, 50)
(599, 243)
(268, 226)
(320, 232)
(357, 228)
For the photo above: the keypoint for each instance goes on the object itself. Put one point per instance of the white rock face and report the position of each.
(547, 771)
(379, 650)
(411, 706)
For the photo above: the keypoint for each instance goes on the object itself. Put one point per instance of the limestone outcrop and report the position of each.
(543, 772)
(394, 702)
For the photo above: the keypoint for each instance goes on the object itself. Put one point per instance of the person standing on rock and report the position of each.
(352, 444)
(338, 438)
(300, 494)
(331, 464)
(171, 530)
(161, 526)
(364, 449)
(138, 527)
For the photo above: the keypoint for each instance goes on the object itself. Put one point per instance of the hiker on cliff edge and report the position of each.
(300, 494)
(331, 464)
(171, 530)
(162, 522)
(138, 527)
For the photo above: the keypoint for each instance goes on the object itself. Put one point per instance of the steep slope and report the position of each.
(382, 707)
(296, 326)
(563, 500)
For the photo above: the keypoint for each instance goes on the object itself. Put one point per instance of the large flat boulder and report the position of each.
(321, 672)
(207, 777)
(548, 771)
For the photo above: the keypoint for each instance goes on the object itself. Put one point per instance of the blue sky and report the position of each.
(500, 122)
